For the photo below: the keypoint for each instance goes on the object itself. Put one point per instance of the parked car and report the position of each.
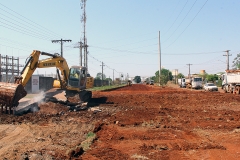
(210, 87)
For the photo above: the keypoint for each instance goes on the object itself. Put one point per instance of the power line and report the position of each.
(16, 43)
(61, 41)
(188, 24)
(177, 17)
(181, 22)
(23, 30)
(32, 22)
(21, 25)
(167, 54)
(169, 17)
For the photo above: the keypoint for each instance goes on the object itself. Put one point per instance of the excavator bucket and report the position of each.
(11, 93)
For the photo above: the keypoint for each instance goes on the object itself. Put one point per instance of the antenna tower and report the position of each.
(83, 20)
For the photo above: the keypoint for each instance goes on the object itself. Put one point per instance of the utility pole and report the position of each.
(175, 77)
(80, 52)
(102, 72)
(61, 41)
(189, 70)
(113, 76)
(227, 54)
(159, 50)
(121, 76)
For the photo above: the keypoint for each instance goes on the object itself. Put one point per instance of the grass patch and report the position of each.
(106, 87)
(89, 140)
(83, 147)
(90, 134)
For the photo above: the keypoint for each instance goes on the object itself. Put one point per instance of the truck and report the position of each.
(181, 83)
(151, 82)
(193, 82)
(231, 81)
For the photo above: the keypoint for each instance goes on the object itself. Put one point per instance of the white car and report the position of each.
(210, 87)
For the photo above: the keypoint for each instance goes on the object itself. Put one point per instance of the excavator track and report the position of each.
(10, 94)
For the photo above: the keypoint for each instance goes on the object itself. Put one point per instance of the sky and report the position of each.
(124, 34)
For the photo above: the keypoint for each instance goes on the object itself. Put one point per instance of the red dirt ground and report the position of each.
(135, 122)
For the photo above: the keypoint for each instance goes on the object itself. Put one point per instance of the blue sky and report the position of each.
(123, 34)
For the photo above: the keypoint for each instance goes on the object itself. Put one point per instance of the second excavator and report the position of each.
(74, 80)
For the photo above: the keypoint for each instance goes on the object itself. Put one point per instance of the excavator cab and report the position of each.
(77, 82)
(77, 77)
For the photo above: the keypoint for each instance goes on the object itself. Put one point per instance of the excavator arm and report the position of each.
(33, 62)
(11, 93)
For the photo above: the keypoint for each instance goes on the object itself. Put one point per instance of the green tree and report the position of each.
(236, 62)
(166, 75)
(99, 76)
(109, 80)
(212, 77)
(153, 78)
(137, 79)
(180, 75)
(204, 76)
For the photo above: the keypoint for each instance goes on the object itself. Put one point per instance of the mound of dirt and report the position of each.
(52, 108)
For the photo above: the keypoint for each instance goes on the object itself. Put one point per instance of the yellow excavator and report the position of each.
(74, 80)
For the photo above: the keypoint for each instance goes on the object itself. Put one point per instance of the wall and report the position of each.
(98, 83)
(45, 83)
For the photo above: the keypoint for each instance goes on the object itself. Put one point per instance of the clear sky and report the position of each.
(123, 34)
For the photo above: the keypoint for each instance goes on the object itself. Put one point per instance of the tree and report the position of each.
(166, 75)
(204, 76)
(236, 62)
(137, 79)
(212, 77)
(180, 75)
(99, 76)
(109, 80)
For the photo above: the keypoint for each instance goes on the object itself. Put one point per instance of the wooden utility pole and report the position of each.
(80, 52)
(227, 54)
(102, 72)
(61, 41)
(159, 50)
(175, 77)
(189, 70)
(113, 76)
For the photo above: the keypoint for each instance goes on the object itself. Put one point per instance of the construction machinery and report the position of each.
(74, 80)
(182, 83)
(194, 82)
(231, 81)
